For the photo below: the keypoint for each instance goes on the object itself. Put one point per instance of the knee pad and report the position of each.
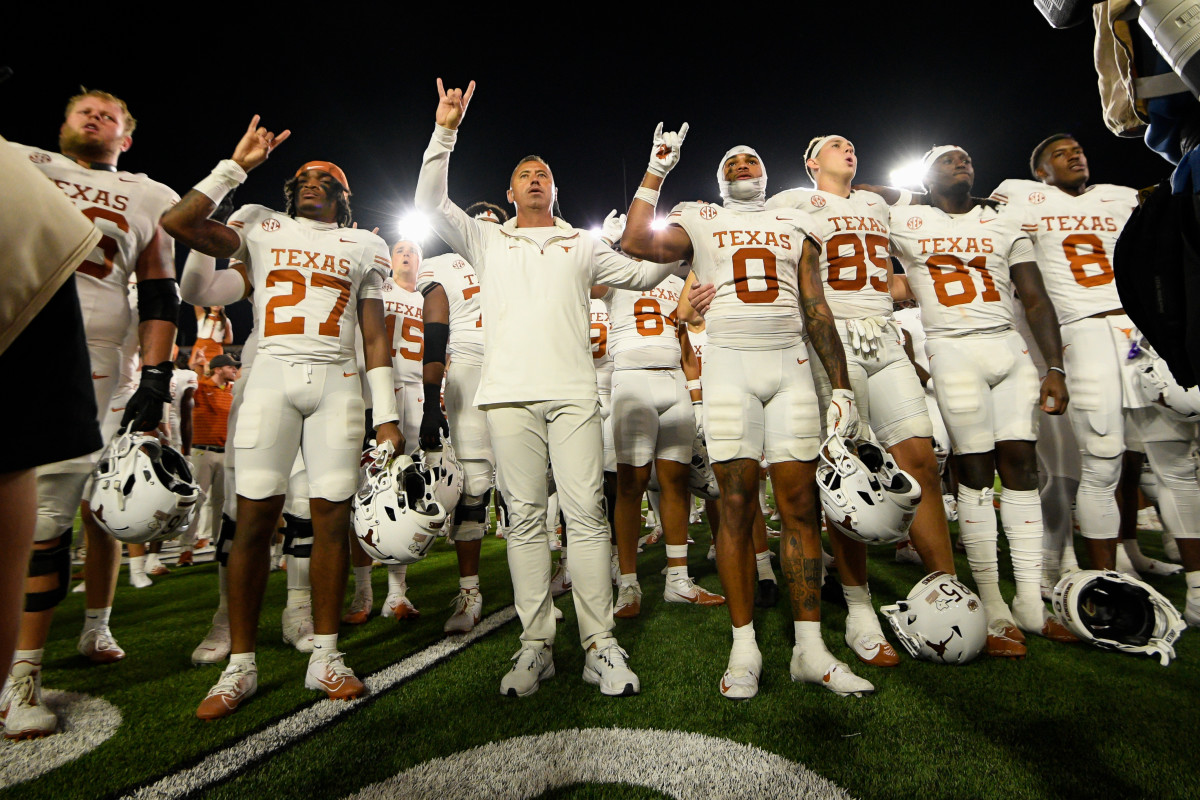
(297, 536)
(473, 508)
(54, 560)
(225, 539)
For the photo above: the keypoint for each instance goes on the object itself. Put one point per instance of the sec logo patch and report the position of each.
(914, 223)
(459, 264)
(817, 201)
(39, 158)
(708, 212)
(1036, 198)
(270, 225)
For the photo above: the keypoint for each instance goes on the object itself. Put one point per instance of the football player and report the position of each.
(314, 281)
(759, 395)
(454, 328)
(857, 271)
(1074, 226)
(962, 262)
(538, 388)
(125, 206)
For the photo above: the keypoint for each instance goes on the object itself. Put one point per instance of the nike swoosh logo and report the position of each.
(115, 410)
(783, 219)
(986, 221)
(724, 686)
(1024, 352)
(347, 241)
(349, 374)
(872, 204)
(96, 377)
(801, 360)
(1110, 200)
(126, 180)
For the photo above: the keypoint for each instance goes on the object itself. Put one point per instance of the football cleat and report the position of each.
(907, 554)
(629, 601)
(652, 537)
(712, 552)
(99, 646)
(560, 581)
(360, 608)
(328, 673)
(740, 681)
(869, 644)
(155, 567)
(1005, 640)
(606, 666)
(532, 664)
(140, 580)
(766, 594)
(825, 670)
(685, 590)
(215, 647)
(185, 559)
(1152, 566)
(468, 607)
(238, 682)
(1055, 631)
(398, 606)
(298, 627)
(24, 714)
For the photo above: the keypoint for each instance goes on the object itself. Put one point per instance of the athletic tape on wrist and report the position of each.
(647, 195)
(221, 181)
(692, 386)
(383, 396)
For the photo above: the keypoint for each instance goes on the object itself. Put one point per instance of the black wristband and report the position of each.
(436, 336)
(433, 398)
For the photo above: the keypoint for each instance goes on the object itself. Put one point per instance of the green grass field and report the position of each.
(1069, 721)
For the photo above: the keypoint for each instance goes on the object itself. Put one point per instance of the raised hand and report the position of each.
(256, 145)
(665, 153)
(452, 105)
(613, 227)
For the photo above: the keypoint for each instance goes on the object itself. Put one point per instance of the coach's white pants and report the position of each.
(567, 434)
(208, 468)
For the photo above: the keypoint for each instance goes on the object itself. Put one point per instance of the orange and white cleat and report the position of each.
(237, 683)
(99, 646)
(398, 606)
(1005, 640)
(327, 672)
(685, 590)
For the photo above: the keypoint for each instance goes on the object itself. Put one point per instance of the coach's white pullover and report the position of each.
(535, 281)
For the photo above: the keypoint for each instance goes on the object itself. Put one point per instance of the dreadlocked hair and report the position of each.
(344, 215)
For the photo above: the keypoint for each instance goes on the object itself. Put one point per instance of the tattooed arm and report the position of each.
(818, 319)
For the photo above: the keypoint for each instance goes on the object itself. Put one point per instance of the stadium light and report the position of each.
(658, 224)
(908, 175)
(414, 226)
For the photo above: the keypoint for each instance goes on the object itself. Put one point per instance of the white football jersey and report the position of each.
(402, 311)
(125, 207)
(602, 359)
(308, 278)
(958, 266)
(855, 260)
(753, 259)
(697, 339)
(641, 332)
(1074, 238)
(457, 277)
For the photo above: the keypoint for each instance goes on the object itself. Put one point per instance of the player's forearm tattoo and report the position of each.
(186, 222)
(1043, 324)
(823, 335)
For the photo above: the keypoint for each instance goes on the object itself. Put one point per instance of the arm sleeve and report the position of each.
(1021, 251)
(203, 285)
(449, 221)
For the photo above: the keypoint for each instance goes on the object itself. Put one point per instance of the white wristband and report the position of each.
(383, 396)
(692, 386)
(905, 198)
(647, 195)
(222, 180)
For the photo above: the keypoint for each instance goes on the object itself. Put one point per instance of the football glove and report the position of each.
(665, 153)
(842, 415)
(144, 410)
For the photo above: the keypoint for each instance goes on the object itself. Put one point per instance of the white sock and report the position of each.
(26, 662)
(628, 578)
(743, 640)
(762, 498)
(152, 561)
(978, 532)
(1069, 563)
(396, 578)
(297, 598)
(1134, 551)
(362, 578)
(677, 573)
(323, 643)
(858, 604)
(1193, 581)
(96, 618)
(137, 565)
(243, 658)
(1021, 516)
(808, 637)
(1123, 563)
(762, 562)
(223, 589)
(468, 583)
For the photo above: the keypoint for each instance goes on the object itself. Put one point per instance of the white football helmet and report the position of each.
(701, 481)
(142, 489)
(397, 515)
(863, 493)
(449, 474)
(1117, 612)
(941, 620)
(1159, 385)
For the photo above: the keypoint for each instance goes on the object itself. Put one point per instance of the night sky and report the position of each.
(894, 77)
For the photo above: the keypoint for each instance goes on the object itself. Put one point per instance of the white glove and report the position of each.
(665, 153)
(865, 336)
(842, 415)
(698, 409)
(613, 227)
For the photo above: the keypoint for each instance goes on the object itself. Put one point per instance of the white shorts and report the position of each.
(886, 387)
(296, 502)
(239, 392)
(606, 428)
(288, 406)
(1101, 381)
(468, 428)
(410, 402)
(987, 388)
(760, 404)
(941, 436)
(652, 416)
(1155, 424)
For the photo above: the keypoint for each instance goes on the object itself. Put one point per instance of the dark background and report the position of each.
(357, 87)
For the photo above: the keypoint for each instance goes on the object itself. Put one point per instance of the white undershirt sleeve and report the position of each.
(449, 221)
(202, 284)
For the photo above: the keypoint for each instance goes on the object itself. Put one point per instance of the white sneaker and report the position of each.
(605, 666)
(712, 552)
(685, 590)
(99, 645)
(237, 682)
(740, 681)
(1147, 519)
(327, 672)
(468, 607)
(298, 627)
(215, 647)
(869, 644)
(398, 606)
(1152, 566)
(532, 665)
(907, 554)
(360, 606)
(950, 504)
(24, 714)
(774, 516)
(823, 669)
(560, 581)
(629, 601)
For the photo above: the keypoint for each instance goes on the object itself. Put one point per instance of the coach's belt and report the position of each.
(215, 448)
